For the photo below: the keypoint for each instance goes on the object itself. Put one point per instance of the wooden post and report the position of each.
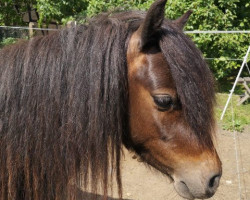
(31, 31)
(71, 24)
(245, 82)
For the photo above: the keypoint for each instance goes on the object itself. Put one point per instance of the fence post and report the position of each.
(71, 24)
(31, 31)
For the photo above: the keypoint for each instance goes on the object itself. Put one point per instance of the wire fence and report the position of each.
(8, 32)
(20, 32)
(188, 32)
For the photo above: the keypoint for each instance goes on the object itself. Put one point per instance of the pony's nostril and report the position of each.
(214, 181)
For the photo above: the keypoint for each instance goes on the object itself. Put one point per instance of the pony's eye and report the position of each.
(164, 102)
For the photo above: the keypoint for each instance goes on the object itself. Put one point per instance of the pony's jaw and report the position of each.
(193, 176)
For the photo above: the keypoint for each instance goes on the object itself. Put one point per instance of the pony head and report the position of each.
(171, 104)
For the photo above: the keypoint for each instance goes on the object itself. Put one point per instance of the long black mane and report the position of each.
(64, 105)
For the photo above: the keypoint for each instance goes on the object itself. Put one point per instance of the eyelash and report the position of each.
(163, 102)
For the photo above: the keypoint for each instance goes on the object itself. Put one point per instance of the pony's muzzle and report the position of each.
(200, 182)
(189, 191)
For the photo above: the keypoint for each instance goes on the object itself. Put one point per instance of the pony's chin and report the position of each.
(182, 189)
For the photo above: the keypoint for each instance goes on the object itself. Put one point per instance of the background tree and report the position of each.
(207, 15)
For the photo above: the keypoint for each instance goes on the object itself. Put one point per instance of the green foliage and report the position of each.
(59, 10)
(207, 15)
(236, 117)
(7, 41)
(98, 6)
(217, 15)
(9, 15)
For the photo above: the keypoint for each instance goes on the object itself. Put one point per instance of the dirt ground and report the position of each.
(142, 183)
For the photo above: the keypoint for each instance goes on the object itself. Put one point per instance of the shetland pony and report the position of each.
(69, 101)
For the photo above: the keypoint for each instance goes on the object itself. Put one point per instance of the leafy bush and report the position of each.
(7, 41)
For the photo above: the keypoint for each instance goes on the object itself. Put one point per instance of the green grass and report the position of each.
(241, 114)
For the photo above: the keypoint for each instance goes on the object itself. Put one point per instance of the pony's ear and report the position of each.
(181, 22)
(152, 23)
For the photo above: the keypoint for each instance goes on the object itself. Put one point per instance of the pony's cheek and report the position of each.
(141, 120)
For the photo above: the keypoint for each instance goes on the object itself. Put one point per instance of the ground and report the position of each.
(142, 183)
